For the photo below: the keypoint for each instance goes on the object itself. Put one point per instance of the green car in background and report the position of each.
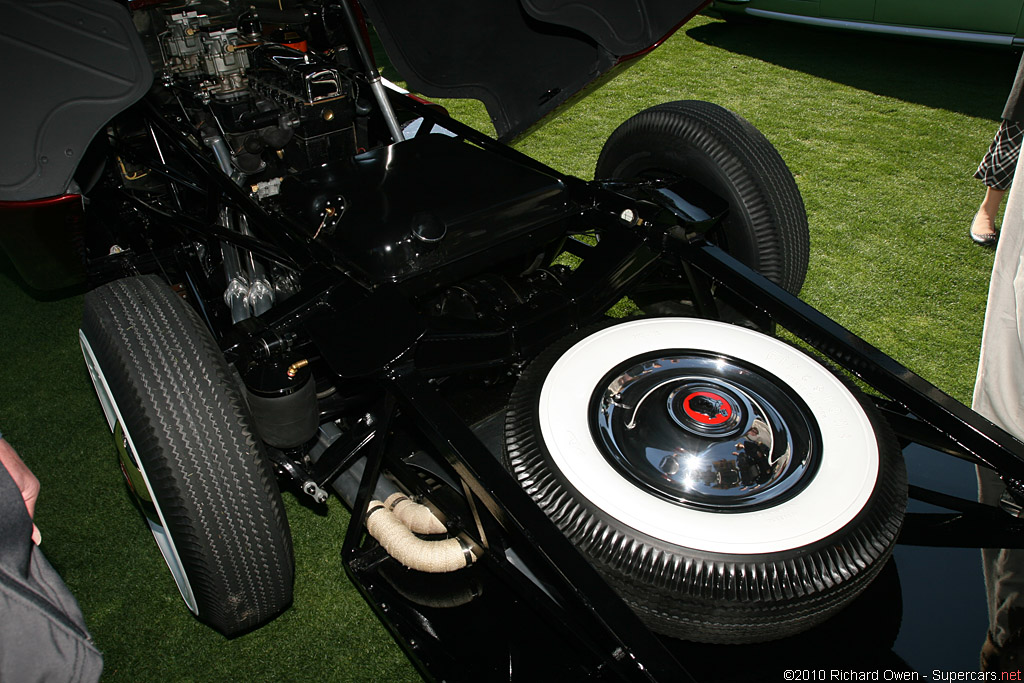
(994, 22)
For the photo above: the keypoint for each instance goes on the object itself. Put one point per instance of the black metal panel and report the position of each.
(520, 67)
(44, 239)
(622, 27)
(420, 208)
(357, 337)
(79, 63)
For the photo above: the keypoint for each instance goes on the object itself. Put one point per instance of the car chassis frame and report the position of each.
(604, 637)
(544, 607)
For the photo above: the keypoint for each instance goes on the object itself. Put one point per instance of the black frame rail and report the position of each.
(572, 598)
(571, 595)
(981, 440)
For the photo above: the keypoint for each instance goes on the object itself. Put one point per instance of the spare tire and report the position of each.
(731, 488)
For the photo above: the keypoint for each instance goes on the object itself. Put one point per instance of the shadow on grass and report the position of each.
(971, 80)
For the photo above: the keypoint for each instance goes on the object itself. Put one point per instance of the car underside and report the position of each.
(559, 409)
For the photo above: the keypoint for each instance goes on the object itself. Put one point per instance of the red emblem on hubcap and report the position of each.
(707, 408)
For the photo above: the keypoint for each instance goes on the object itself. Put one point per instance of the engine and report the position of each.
(258, 85)
(300, 125)
(278, 100)
(272, 93)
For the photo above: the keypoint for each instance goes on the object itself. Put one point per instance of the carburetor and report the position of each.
(194, 47)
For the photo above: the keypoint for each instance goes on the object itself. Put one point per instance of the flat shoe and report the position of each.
(988, 240)
(985, 240)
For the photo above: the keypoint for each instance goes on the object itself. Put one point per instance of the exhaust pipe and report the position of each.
(395, 522)
(434, 557)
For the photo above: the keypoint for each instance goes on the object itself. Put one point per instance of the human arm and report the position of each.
(26, 482)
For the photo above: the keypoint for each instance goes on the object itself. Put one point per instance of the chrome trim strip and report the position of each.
(888, 29)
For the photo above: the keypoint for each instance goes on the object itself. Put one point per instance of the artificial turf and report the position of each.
(882, 135)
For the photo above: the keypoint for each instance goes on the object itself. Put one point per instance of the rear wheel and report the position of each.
(731, 488)
(189, 453)
(766, 225)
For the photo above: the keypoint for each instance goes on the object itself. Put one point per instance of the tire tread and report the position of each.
(194, 437)
(704, 596)
(770, 199)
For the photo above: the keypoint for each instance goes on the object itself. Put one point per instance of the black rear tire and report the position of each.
(190, 453)
(766, 227)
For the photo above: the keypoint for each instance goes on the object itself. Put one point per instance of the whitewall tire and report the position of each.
(730, 486)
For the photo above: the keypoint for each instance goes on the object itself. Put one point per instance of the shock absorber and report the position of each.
(379, 93)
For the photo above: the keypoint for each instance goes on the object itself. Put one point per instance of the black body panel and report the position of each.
(623, 27)
(80, 62)
(521, 60)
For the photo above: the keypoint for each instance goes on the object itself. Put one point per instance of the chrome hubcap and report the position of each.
(705, 431)
(133, 475)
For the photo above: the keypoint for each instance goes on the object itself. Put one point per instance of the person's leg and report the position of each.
(996, 172)
(984, 223)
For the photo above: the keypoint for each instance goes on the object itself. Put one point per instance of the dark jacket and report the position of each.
(42, 631)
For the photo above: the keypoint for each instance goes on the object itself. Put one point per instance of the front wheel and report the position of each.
(730, 487)
(189, 453)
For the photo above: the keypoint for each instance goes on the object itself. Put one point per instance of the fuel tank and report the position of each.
(428, 210)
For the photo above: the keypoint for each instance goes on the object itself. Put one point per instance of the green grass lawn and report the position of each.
(882, 135)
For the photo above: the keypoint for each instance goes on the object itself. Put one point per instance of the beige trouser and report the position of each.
(999, 396)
